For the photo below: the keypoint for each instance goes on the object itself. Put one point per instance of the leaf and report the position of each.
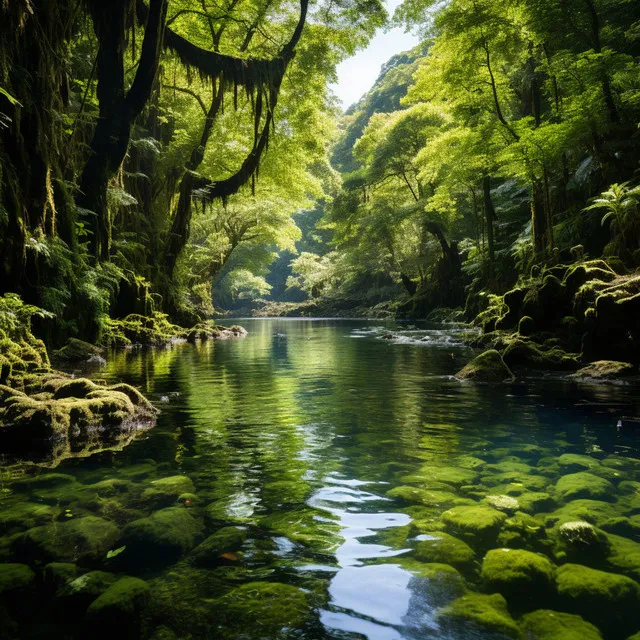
(10, 98)
(115, 552)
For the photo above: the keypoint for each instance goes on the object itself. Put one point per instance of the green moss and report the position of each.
(523, 531)
(504, 503)
(162, 537)
(207, 554)
(80, 592)
(518, 574)
(526, 353)
(584, 485)
(118, 611)
(478, 525)
(165, 491)
(440, 547)
(545, 624)
(263, 609)
(624, 556)
(604, 370)
(77, 350)
(608, 600)
(594, 511)
(487, 367)
(427, 497)
(526, 326)
(486, 612)
(286, 492)
(58, 574)
(455, 476)
(77, 388)
(24, 515)
(535, 501)
(15, 577)
(85, 540)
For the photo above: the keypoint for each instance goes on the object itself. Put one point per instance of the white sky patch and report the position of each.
(358, 74)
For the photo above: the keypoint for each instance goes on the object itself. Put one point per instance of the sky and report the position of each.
(357, 74)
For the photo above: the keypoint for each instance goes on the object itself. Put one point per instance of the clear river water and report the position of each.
(317, 480)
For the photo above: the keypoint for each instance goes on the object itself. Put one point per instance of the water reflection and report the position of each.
(334, 452)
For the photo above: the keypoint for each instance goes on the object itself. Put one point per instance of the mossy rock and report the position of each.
(226, 539)
(536, 502)
(488, 613)
(161, 538)
(77, 350)
(165, 491)
(604, 370)
(624, 556)
(443, 548)
(78, 593)
(608, 600)
(118, 611)
(58, 574)
(77, 388)
(581, 542)
(479, 525)
(526, 353)
(526, 326)
(455, 476)
(518, 574)
(15, 577)
(84, 540)
(505, 503)
(262, 609)
(428, 497)
(585, 485)
(545, 624)
(593, 511)
(522, 531)
(24, 515)
(444, 583)
(487, 367)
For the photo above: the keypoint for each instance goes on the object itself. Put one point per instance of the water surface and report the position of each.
(315, 442)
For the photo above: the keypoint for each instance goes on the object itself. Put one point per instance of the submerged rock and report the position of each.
(608, 600)
(207, 553)
(443, 548)
(118, 611)
(15, 577)
(518, 574)
(487, 367)
(162, 537)
(486, 612)
(545, 624)
(479, 525)
(585, 485)
(77, 350)
(263, 609)
(83, 540)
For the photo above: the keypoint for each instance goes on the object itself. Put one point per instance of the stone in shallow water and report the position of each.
(441, 547)
(608, 600)
(487, 612)
(585, 485)
(15, 577)
(207, 553)
(162, 537)
(518, 574)
(594, 511)
(118, 611)
(478, 525)
(545, 624)
(165, 491)
(83, 540)
(455, 476)
(262, 609)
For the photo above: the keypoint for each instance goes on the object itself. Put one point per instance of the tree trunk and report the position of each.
(490, 215)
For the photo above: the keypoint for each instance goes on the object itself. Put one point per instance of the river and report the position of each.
(322, 455)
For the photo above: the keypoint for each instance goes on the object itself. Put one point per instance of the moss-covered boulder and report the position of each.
(77, 351)
(478, 525)
(585, 485)
(523, 531)
(593, 511)
(262, 609)
(444, 583)
(443, 548)
(535, 501)
(454, 476)
(479, 611)
(526, 326)
(487, 367)
(545, 624)
(19, 516)
(118, 611)
(526, 353)
(77, 594)
(604, 370)
(161, 538)
(83, 540)
(227, 539)
(517, 574)
(581, 542)
(427, 497)
(165, 491)
(608, 600)
(15, 577)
